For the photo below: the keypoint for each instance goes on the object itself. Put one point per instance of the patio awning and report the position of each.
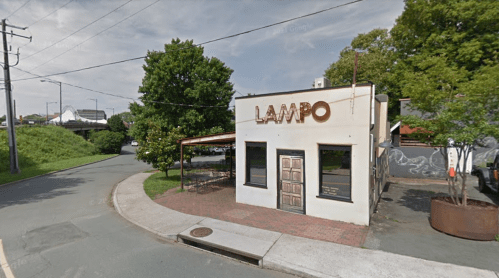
(226, 138)
(219, 139)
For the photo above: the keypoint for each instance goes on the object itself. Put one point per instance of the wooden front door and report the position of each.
(291, 183)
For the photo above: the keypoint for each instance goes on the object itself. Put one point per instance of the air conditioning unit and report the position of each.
(322, 82)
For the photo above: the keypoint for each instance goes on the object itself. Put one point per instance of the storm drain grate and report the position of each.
(222, 252)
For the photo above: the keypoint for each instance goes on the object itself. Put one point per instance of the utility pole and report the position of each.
(110, 109)
(355, 67)
(47, 105)
(11, 129)
(60, 97)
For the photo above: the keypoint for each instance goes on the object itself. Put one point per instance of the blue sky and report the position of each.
(281, 58)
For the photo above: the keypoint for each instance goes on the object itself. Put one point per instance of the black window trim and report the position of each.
(336, 148)
(246, 170)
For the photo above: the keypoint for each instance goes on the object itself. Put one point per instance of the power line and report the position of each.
(18, 9)
(194, 45)
(93, 36)
(82, 69)
(50, 13)
(123, 97)
(281, 22)
(78, 30)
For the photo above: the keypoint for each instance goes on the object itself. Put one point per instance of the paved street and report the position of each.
(401, 226)
(62, 225)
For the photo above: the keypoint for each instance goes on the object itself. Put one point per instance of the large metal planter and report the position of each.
(478, 220)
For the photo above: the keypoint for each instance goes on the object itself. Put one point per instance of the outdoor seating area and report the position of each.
(203, 181)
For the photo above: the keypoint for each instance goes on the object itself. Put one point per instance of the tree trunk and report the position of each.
(166, 173)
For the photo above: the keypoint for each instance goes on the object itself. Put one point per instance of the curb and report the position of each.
(120, 212)
(53, 172)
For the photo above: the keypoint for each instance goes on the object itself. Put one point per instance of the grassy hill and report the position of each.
(43, 144)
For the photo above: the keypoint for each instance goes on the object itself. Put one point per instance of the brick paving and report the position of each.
(219, 202)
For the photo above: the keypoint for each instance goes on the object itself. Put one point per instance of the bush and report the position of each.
(107, 142)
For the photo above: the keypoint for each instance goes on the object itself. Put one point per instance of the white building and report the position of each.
(313, 151)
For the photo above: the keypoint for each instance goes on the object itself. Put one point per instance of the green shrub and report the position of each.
(108, 142)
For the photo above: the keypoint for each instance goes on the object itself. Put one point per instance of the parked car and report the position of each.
(216, 150)
(16, 122)
(135, 143)
(488, 178)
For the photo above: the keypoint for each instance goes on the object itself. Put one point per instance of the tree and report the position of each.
(160, 148)
(116, 124)
(183, 88)
(447, 53)
(375, 63)
(127, 117)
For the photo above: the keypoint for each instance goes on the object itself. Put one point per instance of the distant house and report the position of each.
(401, 133)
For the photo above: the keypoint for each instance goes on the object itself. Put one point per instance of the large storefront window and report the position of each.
(334, 172)
(256, 164)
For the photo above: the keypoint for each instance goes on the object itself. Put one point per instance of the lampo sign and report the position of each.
(305, 110)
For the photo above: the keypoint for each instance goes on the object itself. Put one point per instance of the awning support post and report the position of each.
(181, 166)
(230, 161)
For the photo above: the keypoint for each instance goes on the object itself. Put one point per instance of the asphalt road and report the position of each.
(62, 225)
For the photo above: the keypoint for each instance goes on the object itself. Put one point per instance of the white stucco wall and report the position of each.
(343, 127)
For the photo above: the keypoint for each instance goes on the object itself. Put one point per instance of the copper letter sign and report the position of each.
(305, 110)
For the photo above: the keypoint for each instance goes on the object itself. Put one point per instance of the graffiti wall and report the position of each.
(417, 162)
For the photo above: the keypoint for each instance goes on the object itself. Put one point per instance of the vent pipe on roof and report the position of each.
(322, 82)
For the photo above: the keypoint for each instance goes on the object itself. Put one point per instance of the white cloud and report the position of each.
(280, 58)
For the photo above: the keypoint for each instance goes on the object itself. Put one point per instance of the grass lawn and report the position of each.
(159, 183)
(43, 168)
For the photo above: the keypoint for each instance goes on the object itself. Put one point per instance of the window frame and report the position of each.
(334, 148)
(247, 181)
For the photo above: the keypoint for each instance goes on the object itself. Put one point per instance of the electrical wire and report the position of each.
(18, 9)
(123, 97)
(53, 58)
(50, 13)
(77, 31)
(194, 45)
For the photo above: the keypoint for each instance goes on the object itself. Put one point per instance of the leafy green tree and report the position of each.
(116, 124)
(160, 148)
(183, 88)
(447, 53)
(375, 63)
(127, 116)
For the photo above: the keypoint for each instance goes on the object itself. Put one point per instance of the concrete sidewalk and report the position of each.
(273, 250)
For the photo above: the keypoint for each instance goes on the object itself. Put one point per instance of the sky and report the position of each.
(286, 57)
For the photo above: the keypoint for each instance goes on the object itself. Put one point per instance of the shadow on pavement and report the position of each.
(126, 152)
(418, 200)
(38, 189)
(494, 197)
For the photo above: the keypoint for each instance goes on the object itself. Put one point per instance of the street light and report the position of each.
(95, 107)
(47, 115)
(60, 96)
(110, 109)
